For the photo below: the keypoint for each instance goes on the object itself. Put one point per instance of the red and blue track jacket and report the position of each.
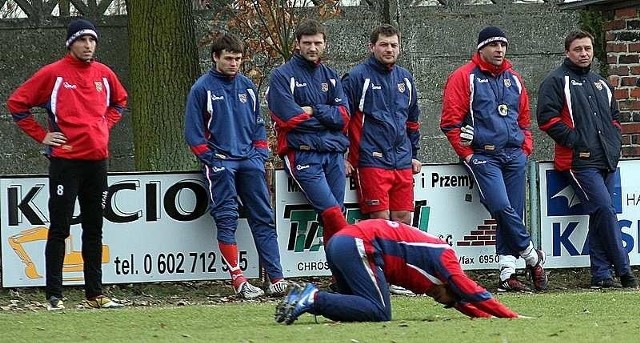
(384, 131)
(300, 83)
(418, 261)
(83, 100)
(223, 119)
(472, 96)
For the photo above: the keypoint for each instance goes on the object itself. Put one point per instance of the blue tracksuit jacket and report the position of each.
(384, 128)
(300, 83)
(223, 119)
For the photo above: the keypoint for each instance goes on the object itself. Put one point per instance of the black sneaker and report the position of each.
(55, 304)
(628, 281)
(512, 284)
(605, 283)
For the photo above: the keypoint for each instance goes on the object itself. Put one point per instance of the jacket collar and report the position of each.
(487, 67)
(218, 75)
(76, 62)
(579, 70)
(298, 60)
(381, 67)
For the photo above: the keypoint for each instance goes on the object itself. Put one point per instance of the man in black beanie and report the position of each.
(78, 28)
(486, 117)
(84, 99)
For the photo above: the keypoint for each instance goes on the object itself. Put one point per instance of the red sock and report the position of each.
(230, 254)
(332, 221)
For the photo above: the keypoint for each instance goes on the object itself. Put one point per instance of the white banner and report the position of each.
(157, 228)
(564, 225)
(446, 204)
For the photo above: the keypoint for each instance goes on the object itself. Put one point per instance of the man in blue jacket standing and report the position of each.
(224, 129)
(309, 109)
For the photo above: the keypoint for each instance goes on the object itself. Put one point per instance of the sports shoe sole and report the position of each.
(284, 307)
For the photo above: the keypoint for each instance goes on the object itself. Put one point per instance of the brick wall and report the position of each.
(623, 56)
(483, 235)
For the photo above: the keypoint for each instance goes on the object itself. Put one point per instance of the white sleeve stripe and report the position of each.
(472, 91)
(253, 97)
(410, 88)
(209, 104)
(364, 93)
(567, 98)
(609, 95)
(105, 82)
(517, 81)
(54, 97)
(431, 278)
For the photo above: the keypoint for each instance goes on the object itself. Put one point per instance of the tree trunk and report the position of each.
(164, 64)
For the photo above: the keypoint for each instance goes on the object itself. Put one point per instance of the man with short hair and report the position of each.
(309, 109)
(224, 129)
(485, 116)
(84, 100)
(578, 109)
(384, 131)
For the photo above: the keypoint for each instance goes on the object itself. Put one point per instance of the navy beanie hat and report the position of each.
(491, 34)
(78, 28)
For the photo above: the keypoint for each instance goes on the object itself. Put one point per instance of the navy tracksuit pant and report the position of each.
(595, 187)
(320, 175)
(501, 180)
(229, 179)
(364, 292)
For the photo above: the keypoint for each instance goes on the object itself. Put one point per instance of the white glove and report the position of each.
(466, 135)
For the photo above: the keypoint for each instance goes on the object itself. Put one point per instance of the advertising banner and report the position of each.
(564, 224)
(156, 228)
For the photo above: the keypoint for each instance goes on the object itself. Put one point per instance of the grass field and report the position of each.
(576, 316)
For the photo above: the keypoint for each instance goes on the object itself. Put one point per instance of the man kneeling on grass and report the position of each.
(368, 256)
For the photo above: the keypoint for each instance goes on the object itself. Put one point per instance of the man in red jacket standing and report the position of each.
(486, 118)
(84, 99)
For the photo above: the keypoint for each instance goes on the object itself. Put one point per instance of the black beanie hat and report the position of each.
(78, 28)
(491, 34)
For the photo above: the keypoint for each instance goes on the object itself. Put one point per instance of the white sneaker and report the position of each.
(278, 288)
(397, 290)
(249, 291)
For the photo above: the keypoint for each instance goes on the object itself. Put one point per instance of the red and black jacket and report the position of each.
(576, 107)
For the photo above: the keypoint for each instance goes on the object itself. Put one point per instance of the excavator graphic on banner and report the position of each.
(73, 262)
